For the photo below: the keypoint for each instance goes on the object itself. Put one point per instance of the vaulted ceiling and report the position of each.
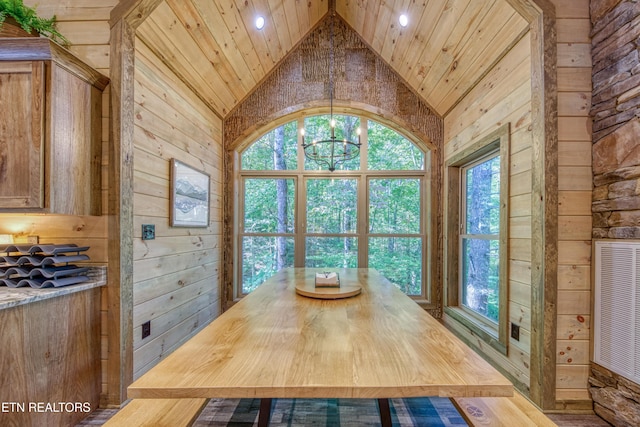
(442, 53)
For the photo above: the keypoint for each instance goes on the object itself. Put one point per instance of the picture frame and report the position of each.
(190, 193)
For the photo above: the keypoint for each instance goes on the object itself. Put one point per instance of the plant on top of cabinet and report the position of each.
(27, 18)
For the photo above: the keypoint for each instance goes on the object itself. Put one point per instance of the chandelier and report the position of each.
(331, 152)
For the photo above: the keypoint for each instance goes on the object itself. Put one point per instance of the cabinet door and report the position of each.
(21, 134)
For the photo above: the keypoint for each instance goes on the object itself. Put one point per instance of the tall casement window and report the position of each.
(477, 225)
(480, 237)
(370, 212)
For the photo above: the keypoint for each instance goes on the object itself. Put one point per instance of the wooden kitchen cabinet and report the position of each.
(50, 129)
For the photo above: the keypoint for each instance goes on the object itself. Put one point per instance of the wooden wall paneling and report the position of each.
(178, 303)
(162, 345)
(166, 84)
(520, 249)
(520, 227)
(176, 275)
(90, 230)
(571, 8)
(544, 198)
(539, 225)
(462, 77)
(169, 245)
(520, 183)
(575, 178)
(574, 103)
(77, 10)
(520, 270)
(574, 153)
(576, 227)
(576, 252)
(521, 137)
(574, 55)
(574, 128)
(175, 52)
(573, 30)
(520, 292)
(573, 327)
(120, 211)
(85, 32)
(573, 377)
(493, 119)
(476, 114)
(514, 367)
(169, 280)
(574, 277)
(488, 101)
(574, 79)
(520, 315)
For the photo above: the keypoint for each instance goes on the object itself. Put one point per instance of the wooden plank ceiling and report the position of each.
(446, 48)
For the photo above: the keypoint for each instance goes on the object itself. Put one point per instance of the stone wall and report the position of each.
(616, 166)
(617, 399)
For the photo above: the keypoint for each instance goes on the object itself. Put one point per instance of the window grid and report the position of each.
(362, 237)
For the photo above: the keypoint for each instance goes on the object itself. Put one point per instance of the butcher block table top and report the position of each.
(275, 343)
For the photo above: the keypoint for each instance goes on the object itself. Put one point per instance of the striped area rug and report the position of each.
(422, 411)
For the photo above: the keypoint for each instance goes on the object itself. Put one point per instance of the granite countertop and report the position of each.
(13, 297)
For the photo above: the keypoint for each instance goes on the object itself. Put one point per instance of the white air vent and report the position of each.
(617, 307)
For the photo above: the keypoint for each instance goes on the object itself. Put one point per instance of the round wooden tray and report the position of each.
(308, 289)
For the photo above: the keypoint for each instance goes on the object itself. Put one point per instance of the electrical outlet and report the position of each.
(146, 329)
(515, 332)
(33, 240)
(148, 231)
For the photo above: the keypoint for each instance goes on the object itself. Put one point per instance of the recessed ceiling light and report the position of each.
(259, 22)
(404, 21)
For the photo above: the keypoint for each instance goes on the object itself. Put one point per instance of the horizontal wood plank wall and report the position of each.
(574, 204)
(176, 275)
(86, 24)
(504, 96)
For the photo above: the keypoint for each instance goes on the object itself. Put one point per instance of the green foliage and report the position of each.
(481, 248)
(331, 206)
(29, 20)
(389, 150)
(261, 154)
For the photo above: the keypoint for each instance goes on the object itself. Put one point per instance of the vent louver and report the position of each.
(617, 307)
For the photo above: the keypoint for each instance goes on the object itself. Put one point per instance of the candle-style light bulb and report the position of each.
(358, 131)
(302, 134)
(333, 127)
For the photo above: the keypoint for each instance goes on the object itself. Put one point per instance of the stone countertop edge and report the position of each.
(14, 297)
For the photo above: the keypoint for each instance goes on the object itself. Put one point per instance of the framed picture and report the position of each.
(189, 196)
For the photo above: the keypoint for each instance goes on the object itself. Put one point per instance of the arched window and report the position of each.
(370, 212)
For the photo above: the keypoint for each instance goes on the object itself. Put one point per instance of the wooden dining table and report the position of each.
(275, 343)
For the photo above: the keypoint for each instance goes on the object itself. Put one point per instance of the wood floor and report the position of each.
(357, 418)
